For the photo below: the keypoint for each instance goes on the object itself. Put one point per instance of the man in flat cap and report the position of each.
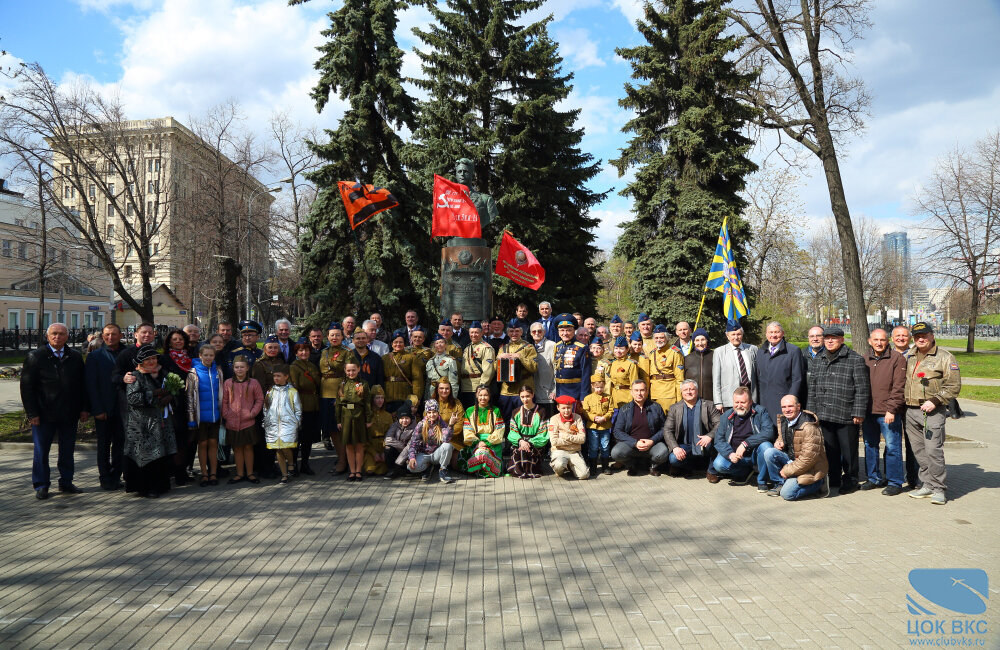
(932, 381)
(839, 390)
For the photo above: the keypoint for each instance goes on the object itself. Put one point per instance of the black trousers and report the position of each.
(910, 460)
(841, 442)
(110, 440)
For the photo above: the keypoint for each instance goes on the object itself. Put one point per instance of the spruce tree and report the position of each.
(690, 156)
(387, 263)
(493, 83)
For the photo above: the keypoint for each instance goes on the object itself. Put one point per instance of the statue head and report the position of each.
(465, 171)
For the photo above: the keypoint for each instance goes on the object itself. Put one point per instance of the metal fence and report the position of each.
(28, 339)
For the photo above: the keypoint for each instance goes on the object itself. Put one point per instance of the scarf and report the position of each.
(181, 358)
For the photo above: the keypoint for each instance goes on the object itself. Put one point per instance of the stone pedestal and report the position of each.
(467, 279)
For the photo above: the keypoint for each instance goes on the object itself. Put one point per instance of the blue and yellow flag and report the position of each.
(724, 277)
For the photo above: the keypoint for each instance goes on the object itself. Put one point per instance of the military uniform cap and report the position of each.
(514, 323)
(616, 319)
(250, 326)
(566, 320)
(272, 338)
(335, 325)
(475, 325)
(565, 399)
(643, 317)
(660, 329)
(922, 328)
(621, 342)
(636, 336)
(733, 326)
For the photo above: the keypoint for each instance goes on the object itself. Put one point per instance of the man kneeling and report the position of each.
(567, 435)
(745, 433)
(801, 471)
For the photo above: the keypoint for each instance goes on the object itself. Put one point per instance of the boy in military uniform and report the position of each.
(567, 436)
(664, 368)
(932, 381)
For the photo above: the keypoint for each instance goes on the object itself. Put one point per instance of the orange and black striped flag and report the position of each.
(363, 202)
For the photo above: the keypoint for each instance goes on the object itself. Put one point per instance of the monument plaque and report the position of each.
(466, 280)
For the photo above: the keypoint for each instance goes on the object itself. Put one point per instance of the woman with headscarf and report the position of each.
(483, 433)
(698, 364)
(150, 444)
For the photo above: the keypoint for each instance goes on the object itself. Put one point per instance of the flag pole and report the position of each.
(700, 307)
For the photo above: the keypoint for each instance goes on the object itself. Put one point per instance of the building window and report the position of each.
(149, 208)
(52, 254)
(65, 256)
(67, 191)
(111, 211)
(74, 320)
(6, 248)
(156, 249)
(46, 320)
(98, 321)
(22, 250)
(111, 189)
(127, 272)
(128, 209)
(92, 191)
(86, 320)
(156, 165)
(35, 225)
(14, 318)
(111, 230)
(149, 187)
(152, 270)
(19, 222)
(29, 319)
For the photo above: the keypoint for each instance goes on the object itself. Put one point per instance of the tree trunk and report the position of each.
(227, 308)
(970, 343)
(848, 244)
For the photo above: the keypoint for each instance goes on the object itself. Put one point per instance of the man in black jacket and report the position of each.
(639, 432)
(54, 399)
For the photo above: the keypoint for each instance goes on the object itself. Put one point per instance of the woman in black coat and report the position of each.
(698, 364)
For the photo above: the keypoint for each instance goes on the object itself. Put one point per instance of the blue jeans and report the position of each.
(598, 441)
(873, 427)
(42, 436)
(722, 465)
(774, 460)
(791, 490)
(678, 464)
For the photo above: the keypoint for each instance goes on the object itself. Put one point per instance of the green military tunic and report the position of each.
(354, 411)
(404, 375)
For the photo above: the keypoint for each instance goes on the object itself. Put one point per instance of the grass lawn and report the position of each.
(981, 393)
(981, 344)
(978, 365)
(14, 428)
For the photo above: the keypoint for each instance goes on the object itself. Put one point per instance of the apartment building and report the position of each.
(156, 181)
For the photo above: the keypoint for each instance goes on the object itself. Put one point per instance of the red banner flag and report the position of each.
(455, 214)
(363, 202)
(516, 262)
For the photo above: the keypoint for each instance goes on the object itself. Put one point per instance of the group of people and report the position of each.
(481, 399)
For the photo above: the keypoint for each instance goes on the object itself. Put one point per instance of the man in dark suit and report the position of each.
(781, 370)
(54, 399)
(105, 407)
(548, 322)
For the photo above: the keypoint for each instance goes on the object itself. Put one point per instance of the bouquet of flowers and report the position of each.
(174, 384)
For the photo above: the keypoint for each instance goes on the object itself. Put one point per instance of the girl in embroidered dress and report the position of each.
(483, 431)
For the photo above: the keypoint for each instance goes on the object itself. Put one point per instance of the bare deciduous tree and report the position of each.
(804, 93)
(90, 163)
(961, 232)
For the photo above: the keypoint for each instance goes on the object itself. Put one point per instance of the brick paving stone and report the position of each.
(616, 562)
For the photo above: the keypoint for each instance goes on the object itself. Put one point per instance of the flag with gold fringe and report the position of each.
(724, 278)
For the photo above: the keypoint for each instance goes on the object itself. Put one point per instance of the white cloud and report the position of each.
(609, 228)
(578, 48)
(188, 55)
(631, 9)
(107, 6)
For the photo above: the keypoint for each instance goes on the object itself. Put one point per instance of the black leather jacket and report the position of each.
(52, 388)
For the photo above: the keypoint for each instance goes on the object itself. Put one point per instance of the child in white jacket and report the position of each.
(282, 416)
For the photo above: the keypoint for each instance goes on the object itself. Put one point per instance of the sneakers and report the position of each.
(867, 485)
(921, 493)
(774, 492)
(445, 476)
(938, 498)
(764, 488)
(892, 490)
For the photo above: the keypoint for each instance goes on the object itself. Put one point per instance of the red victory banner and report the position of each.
(516, 263)
(455, 214)
(363, 202)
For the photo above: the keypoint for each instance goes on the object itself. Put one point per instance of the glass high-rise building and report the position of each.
(897, 244)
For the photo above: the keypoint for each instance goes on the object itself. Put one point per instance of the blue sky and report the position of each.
(933, 69)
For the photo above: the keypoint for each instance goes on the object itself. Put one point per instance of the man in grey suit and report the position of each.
(733, 365)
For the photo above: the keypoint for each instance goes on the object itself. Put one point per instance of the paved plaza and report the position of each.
(614, 562)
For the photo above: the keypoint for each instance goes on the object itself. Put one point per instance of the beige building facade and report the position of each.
(156, 181)
(77, 290)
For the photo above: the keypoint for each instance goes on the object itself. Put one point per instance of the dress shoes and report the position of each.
(42, 493)
(69, 488)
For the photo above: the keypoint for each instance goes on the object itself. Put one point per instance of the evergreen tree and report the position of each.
(690, 153)
(493, 84)
(387, 263)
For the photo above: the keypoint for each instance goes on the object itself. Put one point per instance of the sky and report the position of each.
(932, 68)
